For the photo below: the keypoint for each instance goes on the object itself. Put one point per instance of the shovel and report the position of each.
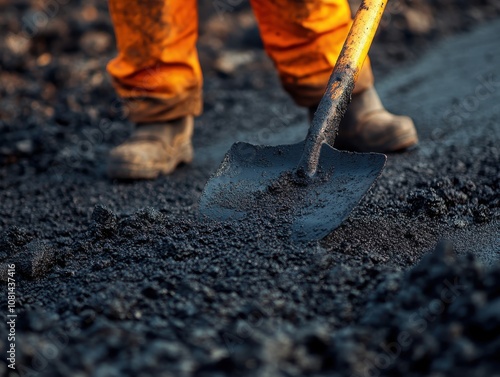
(308, 188)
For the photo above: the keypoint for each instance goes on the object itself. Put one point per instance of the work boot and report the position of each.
(153, 149)
(368, 127)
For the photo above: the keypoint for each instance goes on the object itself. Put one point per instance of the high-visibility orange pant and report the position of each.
(158, 74)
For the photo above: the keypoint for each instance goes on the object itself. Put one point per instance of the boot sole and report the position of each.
(396, 145)
(128, 171)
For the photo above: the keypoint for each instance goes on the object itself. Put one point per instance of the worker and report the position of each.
(158, 75)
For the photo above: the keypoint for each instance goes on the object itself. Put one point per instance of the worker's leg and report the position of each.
(304, 38)
(156, 72)
(158, 75)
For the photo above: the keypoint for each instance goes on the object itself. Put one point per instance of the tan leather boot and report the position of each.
(368, 127)
(153, 149)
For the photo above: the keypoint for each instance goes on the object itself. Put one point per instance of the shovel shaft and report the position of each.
(334, 103)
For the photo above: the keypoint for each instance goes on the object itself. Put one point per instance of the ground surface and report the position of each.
(125, 279)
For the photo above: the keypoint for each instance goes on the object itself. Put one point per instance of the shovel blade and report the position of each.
(259, 180)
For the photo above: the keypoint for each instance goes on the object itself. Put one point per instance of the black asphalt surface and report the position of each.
(118, 279)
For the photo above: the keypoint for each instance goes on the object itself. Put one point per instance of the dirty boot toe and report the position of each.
(153, 149)
(379, 131)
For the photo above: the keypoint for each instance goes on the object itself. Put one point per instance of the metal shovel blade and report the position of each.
(260, 179)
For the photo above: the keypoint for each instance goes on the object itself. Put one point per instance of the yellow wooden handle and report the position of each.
(361, 35)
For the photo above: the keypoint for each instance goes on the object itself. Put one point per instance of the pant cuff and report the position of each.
(154, 108)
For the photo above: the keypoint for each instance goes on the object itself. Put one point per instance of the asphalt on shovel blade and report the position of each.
(259, 180)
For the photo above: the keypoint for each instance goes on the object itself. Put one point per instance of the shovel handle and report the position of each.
(337, 96)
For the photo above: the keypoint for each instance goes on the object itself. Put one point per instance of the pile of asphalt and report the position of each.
(248, 312)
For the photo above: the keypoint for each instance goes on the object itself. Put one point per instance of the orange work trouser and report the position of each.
(158, 74)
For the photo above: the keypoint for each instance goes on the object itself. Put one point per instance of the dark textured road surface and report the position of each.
(116, 279)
